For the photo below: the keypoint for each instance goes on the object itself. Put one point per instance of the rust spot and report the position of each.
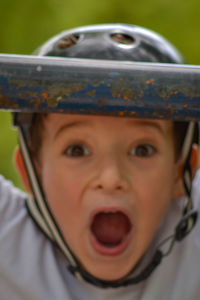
(35, 102)
(102, 101)
(127, 93)
(132, 113)
(27, 94)
(126, 98)
(62, 92)
(6, 103)
(185, 105)
(95, 85)
(170, 109)
(45, 95)
(175, 92)
(165, 92)
(92, 93)
(150, 81)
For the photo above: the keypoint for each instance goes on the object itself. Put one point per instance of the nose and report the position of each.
(111, 175)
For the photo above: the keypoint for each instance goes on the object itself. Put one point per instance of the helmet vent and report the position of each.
(68, 41)
(122, 38)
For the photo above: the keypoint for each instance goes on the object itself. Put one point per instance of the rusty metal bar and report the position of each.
(49, 84)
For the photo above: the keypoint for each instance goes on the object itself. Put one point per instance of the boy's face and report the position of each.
(108, 181)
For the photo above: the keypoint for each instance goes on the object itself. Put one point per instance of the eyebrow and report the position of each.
(148, 123)
(69, 126)
(141, 123)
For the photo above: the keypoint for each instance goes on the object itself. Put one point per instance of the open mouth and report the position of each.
(110, 232)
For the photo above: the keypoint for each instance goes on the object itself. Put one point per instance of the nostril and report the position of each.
(99, 187)
(118, 187)
(107, 186)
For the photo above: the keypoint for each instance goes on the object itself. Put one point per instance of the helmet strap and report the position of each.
(37, 205)
(190, 216)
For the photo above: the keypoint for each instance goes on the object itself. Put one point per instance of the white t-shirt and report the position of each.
(32, 268)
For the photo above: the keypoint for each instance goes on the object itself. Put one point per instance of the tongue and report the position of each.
(110, 228)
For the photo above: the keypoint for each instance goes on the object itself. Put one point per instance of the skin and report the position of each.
(90, 163)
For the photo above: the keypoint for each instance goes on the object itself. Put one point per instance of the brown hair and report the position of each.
(180, 129)
(35, 134)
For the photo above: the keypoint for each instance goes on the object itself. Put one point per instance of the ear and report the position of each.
(20, 166)
(179, 190)
(194, 159)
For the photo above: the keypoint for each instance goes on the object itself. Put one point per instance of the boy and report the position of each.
(111, 195)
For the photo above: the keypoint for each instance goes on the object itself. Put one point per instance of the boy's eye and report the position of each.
(144, 150)
(77, 150)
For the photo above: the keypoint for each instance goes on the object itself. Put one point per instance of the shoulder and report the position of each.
(8, 189)
(25, 250)
(196, 189)
(195, 234)
(11, 200)
(12, 212)
(196, 203)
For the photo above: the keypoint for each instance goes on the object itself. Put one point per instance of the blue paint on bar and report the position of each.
(98, 87)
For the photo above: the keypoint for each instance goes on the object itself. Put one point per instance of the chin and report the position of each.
(108, 271)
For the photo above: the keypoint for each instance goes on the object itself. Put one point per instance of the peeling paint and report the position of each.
(7, 103)
(102, 102)
(45, 95)
(150, 81)
(92, 93)
(100, 89)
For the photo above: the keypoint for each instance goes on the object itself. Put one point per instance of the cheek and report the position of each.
(59, 179)
(152, 204)
(155, 196)
(62, 190)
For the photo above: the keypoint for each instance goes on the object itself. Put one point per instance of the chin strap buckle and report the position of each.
(186, 224)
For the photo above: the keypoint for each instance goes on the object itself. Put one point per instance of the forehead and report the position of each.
(56, 122)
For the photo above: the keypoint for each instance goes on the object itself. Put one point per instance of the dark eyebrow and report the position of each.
(141, 123)
(69, 126)
(148, 123)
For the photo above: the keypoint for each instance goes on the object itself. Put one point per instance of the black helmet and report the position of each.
(108, 42)
(113, 42)
(119, 42)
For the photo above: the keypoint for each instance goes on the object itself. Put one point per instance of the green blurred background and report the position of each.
(25, 24)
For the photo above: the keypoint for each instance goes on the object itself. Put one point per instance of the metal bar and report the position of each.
(49, 84)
